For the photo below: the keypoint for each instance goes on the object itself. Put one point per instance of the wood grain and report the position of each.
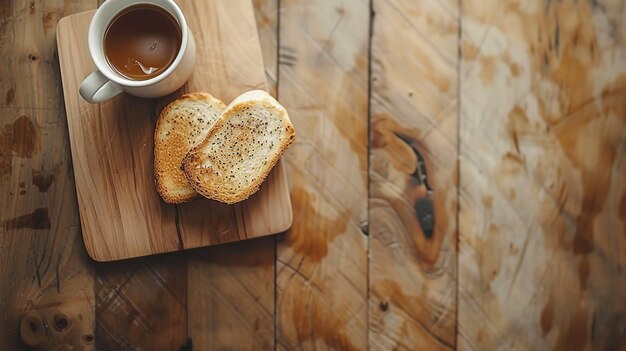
(231, 287)
(413, 175)
(542, 176)
(112, 146)
(46, 279)
(322, 261)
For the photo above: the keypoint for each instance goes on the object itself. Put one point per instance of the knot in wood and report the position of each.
(61, 321)
(87, 339)
(32, 330)
(425, 216)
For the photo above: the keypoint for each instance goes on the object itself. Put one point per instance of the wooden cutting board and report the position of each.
(121, 213)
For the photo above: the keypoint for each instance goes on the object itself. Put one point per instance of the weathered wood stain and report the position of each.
(542, 87)
(309, 220)
(18, 139)
(43, 179)
(39, 219)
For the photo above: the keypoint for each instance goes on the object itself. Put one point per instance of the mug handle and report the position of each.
(98, 88)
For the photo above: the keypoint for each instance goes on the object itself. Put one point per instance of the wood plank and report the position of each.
(542, 225)
(322, 260)
(266, 15)
(413, 175)
(142, 303)
(231, 287)
(112, 146)
(46, 281)
(231, 296)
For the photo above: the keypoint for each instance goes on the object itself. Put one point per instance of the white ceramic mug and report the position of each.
(104, 83)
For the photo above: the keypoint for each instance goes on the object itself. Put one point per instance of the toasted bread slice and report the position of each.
(182, 125)
(241, 149)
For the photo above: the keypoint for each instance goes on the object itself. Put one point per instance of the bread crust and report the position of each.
(168, 152)
(192, 160)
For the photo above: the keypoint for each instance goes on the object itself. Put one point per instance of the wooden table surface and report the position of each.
(458, 182)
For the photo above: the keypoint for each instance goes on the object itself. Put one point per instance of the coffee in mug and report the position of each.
(141, 47)
(142, 41)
